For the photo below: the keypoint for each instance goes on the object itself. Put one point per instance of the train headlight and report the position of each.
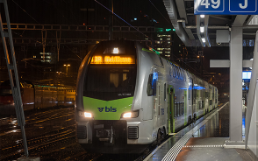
(85, 114)
(132, 114)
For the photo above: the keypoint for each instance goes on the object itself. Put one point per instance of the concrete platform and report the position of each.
(211, 149)
(202, 141)
(23, 158)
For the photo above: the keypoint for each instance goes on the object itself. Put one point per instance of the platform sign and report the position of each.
(246, 75)
(225, 7)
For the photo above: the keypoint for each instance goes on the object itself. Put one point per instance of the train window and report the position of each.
(189, 93)
(194, 93)
(176, 109)
(174, 72)
(207, 94)
(210, 102)
(175, 114)
(165, 91)
(161, 61)
(182, 74)
(177, 106)
(151, 87)
(108, 82)
(181, 108)
(5, 92)
(179, 73)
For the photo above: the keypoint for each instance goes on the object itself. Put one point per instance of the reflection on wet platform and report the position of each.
(205, 143)
(208, 142)
(217, 126)
(211, 125)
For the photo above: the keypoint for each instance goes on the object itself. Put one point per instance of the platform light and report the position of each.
(203, 40)
(246, 75)
(202, 29)
(202, 16)
(252, 59)
(115, 51)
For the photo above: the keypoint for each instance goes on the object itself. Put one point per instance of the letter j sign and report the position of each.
(225, 7)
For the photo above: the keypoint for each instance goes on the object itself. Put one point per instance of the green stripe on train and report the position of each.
(107, 110)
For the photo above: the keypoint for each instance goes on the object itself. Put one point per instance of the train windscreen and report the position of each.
(109, 82)
(112, 71)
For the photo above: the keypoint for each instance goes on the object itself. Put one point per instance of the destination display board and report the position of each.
(225, 7)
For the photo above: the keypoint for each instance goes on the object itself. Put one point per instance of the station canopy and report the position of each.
(200, 30)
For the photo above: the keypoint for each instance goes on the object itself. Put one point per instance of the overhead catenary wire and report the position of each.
(120, 18)
(39, 23)
(25, 11)
(159, 12)
(187, 65)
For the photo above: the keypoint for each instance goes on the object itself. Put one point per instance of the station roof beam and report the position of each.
(180, 30)
(183, 15)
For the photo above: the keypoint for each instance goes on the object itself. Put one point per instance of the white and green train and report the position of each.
(128, 98)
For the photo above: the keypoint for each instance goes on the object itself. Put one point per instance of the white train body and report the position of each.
(164, 99)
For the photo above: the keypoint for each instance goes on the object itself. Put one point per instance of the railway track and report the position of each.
(57, 142)
(40, 143)
(60, 143)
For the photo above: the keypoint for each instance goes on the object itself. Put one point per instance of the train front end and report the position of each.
(105, 96)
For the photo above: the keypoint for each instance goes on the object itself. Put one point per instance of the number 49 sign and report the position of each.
(225, 7)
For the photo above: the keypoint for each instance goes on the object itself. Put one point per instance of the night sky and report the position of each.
(75, 12)
(90, 12)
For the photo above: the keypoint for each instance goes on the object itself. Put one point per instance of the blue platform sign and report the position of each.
(225, 7)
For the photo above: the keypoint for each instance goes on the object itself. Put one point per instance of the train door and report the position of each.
(171, 106)
(185, 107)
(193, 100)
(159, 105)
(190, 97)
